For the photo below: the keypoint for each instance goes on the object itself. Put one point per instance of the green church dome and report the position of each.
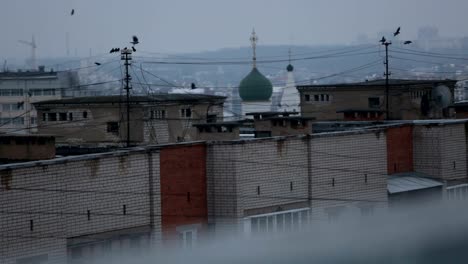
(255, 87)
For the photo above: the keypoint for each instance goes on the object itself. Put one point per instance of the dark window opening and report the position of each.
(307, 97)
(322, 97)
(85, 114)
(70, 116)
(211, 118)
(51, 116)
(44, 117)
(374, 102)
(113, 127)
(62, 116)
(316, 97)
(258, 190)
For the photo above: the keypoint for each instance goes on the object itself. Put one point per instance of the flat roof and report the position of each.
(379, 83)
(361, 110)
(410, 181)
(163, 97)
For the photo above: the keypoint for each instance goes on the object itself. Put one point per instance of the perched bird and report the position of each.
(112, 50)
(383, 40)
(135, 40)
(72, 12)
(397, 32)
(194, 86)
(97, 63)
(407, 42)
(133, 48)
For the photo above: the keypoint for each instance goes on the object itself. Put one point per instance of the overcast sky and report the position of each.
(196, 25)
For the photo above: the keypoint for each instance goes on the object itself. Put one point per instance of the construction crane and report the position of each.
(33, 46)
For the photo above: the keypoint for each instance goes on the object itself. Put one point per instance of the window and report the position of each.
(85, 114)
(188, 235)
(16, 92)
(51, 116)
(327, 97)
(459, 192)
(316, 97)
(13, 107)
(37, 92)
(322, 97)
(277, 222)
(113, 127)
(33, 120)
(62, 116)
(374, 102)
(185, 112)
(70, 116)
(158, 114)
(49, 92)
(44, 116)
(307, 97)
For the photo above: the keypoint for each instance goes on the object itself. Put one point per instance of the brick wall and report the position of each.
(400, 149)
(53, 201)
(183, 188)
(440, 150)
(270, 175)
(348, 170)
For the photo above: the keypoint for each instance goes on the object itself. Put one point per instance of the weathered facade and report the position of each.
(408, 100)
(14, 148)
(79, 208)
(100, 121)
(19, 90)
(282, 183)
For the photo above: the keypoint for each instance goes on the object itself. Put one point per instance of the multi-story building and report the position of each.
(19, 90)
(102, 120)
(408, 100)
(75, 208)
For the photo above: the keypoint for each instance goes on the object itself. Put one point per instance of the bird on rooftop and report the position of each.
(72, 12)
(97, 63)
(397, 32)
(383, 40)
(407, 42)
(135, 40)
(194, 86)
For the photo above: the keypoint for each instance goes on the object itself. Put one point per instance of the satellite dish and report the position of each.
(442, 96)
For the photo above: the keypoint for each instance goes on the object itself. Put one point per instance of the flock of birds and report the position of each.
(396, 33)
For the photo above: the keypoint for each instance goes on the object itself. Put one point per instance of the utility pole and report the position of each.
(126, 55)
(387, 74)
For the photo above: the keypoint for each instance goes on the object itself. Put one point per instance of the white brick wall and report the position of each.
(237, 169)
(440, 151)
(57, 197)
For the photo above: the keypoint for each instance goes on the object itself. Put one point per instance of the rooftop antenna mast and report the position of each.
(33, 46)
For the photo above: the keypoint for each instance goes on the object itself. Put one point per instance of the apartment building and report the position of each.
(102, 120)
(408, 100)
(19, 90)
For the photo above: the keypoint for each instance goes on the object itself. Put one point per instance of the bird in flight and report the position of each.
(407, 42)
(383, 40)
(135, 40)
(97, 63)
(72, 12)
(397, 32)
